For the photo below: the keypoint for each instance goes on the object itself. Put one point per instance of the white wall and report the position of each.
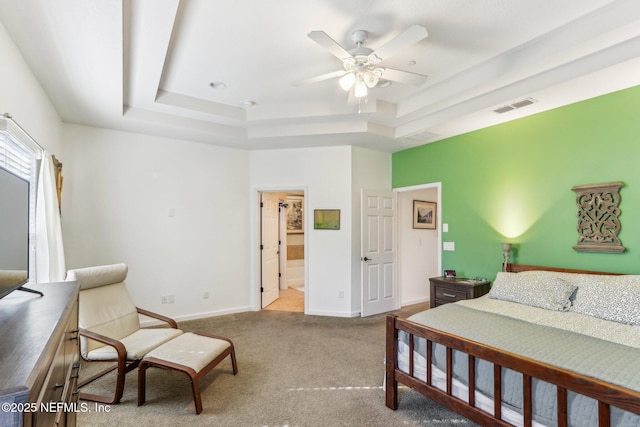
(121, 190)
(332, 178)
(22, 96)
(417, 249)
(325, 175)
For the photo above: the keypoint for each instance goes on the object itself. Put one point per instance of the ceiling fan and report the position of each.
(361, 65)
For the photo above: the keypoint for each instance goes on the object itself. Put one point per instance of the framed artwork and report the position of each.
(295, 215)
(424, 215)
(326, 219)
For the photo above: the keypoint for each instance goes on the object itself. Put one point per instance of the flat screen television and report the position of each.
(14, 232)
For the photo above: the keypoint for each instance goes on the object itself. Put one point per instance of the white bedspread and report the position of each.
(620, 333)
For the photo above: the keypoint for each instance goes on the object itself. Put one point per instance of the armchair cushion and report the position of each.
(137, 344)
(109, 311)
(92, 277)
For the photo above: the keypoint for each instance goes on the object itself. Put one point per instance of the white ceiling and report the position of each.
(146, 65)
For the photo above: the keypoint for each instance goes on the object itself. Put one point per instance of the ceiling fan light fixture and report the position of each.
(361, 70)
(347, 81)
(360, 90)
(371, 78)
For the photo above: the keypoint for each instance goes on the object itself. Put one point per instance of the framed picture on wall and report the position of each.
(295, 215)
(326, 219)
(424, 215)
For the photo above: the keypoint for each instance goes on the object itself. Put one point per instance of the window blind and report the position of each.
(15, 157)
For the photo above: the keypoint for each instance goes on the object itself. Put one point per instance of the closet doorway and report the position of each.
(282, 251)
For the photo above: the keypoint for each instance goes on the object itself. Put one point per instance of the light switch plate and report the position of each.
(448, 246)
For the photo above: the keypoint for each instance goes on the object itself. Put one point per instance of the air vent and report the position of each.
(515, 105)
(504, 109)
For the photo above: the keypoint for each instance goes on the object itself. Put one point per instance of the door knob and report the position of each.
(366, 259)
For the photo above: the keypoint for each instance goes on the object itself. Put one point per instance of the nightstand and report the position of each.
(444, 290)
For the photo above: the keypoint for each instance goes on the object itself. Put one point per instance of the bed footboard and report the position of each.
(605, 394)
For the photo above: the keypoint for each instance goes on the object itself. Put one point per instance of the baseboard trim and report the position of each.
(196, 316)
(334, 313)
(415, 301)
(202, 315)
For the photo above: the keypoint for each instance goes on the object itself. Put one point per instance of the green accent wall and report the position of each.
(512, 183)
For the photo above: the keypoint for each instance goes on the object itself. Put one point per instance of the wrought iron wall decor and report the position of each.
(598, 217)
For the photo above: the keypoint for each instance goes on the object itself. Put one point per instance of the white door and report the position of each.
(269, 220)
(379, 253)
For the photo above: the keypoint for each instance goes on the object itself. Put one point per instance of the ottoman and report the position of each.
(195, 354)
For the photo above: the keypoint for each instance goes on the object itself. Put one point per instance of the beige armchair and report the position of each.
(109, 325)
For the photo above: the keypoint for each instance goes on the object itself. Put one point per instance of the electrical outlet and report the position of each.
(164, 299)
(171, 298)
(205, 295)
(341, 294)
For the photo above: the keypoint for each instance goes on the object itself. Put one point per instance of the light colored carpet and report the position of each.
(294, 370)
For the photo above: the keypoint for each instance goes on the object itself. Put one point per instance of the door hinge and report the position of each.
(261, 204)
(261, 247)
(261, 289)
(279, 274)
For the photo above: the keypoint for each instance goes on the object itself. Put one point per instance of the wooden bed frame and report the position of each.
(606, 394)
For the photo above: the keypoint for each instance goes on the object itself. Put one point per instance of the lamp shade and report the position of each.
(371, 78)
(361, 89)
(347, 81)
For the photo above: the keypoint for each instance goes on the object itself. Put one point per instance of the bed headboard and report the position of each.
(517, 268)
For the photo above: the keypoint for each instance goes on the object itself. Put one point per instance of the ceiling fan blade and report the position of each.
(404, 76)
(330, 44)
(320, 78)
(410, 37)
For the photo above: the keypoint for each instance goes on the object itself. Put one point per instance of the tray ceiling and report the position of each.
(156, 66)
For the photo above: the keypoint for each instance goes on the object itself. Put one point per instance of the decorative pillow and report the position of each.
(615, 298)
(544, 291)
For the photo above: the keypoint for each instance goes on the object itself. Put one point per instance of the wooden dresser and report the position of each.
(39, 356)
(445, 290)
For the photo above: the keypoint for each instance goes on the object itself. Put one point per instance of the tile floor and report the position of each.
(290, 299)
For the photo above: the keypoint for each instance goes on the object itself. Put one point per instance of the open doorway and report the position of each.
(419, 250)
(282, 264)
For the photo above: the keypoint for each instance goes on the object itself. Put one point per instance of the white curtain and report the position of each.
(50, 263)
